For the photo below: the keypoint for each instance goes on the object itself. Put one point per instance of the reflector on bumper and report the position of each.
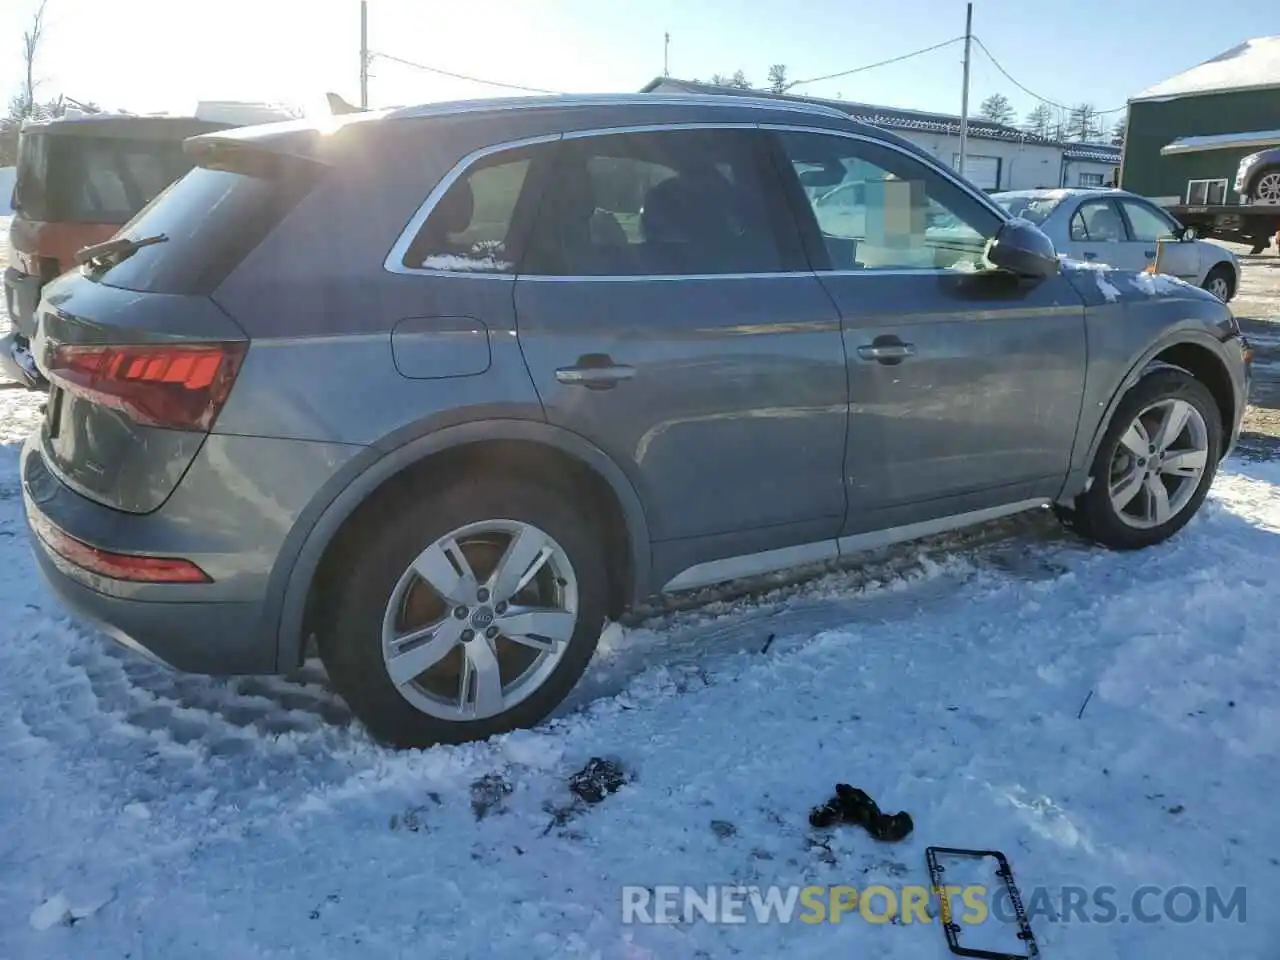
(117, 566)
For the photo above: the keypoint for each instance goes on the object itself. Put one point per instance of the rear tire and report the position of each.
(1124, 508)
(391, 618)
(1220, 282)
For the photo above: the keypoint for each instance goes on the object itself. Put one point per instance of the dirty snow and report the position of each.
(1102, 718)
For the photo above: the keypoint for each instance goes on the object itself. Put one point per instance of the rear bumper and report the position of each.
(214, 638)
(21, 297)
(218, 519)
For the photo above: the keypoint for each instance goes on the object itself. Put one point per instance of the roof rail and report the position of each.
(611, 100)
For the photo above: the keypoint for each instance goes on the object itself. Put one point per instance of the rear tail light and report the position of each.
(178, 386)
(117, 566)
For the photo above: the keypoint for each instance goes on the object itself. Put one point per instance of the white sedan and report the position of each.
(1121, 229)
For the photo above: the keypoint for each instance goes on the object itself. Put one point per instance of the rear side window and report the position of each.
(213, 219)
(29, 193)
(473, 227)
(662, 203)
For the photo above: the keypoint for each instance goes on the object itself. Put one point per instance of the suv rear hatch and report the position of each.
(140, 357)
(78, 180)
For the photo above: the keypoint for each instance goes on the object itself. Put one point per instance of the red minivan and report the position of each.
(79, 179)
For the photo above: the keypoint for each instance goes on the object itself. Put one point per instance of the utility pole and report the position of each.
(964, 95)
(364, 55)
(666, 50)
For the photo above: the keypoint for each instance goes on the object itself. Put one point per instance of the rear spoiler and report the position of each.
(338, 107)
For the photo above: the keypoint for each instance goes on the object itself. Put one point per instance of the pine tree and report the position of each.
(1040, 121)
(778, 78)
(997, 109)
(1082, 124)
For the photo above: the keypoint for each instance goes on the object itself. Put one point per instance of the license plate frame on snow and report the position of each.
(951, 929)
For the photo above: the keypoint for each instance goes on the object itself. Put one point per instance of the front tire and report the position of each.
(1220, 282)
(466, 614)
(1154, 465)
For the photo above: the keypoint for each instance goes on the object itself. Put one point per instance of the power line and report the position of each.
(1032, 93)
(882, 63)
(460, 76)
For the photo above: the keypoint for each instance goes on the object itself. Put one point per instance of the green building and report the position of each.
(1186, 135)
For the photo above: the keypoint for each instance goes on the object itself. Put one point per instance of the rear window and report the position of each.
(85, 179)
(213, 219)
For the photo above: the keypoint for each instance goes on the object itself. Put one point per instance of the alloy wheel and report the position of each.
(480, 620)
(1219, 287)
(1268, 187)
(1158, 464)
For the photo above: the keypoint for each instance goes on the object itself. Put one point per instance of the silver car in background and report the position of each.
(1121, 229)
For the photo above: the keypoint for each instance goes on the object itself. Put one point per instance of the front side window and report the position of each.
(470, 228)
(879, 209)
(1147, 223)
(1097, 221)
(659, 203)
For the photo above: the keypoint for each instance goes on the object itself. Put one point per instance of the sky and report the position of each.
(164, 55)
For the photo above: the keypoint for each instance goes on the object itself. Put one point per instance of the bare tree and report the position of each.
(31, 39)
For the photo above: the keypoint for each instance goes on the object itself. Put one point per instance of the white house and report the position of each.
(999, 157)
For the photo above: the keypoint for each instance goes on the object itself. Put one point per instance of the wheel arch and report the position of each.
(1192, 352)
(549, 454)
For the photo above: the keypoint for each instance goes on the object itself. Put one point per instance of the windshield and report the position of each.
(1034, 207)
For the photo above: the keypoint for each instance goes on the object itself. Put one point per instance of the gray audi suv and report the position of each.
(447, 388)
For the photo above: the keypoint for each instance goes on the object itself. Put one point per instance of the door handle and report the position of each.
(1150, 254)
(595, 372)
(888, 353)
(1090, 255)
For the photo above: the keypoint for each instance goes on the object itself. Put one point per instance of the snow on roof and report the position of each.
(240, 112)
(1250, 65)
(1221, 141)
(1099, 152)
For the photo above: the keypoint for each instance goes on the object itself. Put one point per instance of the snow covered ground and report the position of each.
(156, 815)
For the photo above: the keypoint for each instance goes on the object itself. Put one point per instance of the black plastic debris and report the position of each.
(853, 806)
(597, 780)
(937, 871)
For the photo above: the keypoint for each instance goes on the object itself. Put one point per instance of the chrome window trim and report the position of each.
(393, 263)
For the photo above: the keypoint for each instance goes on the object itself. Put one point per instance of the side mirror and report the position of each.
(1023, 248)
(1189, 233)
